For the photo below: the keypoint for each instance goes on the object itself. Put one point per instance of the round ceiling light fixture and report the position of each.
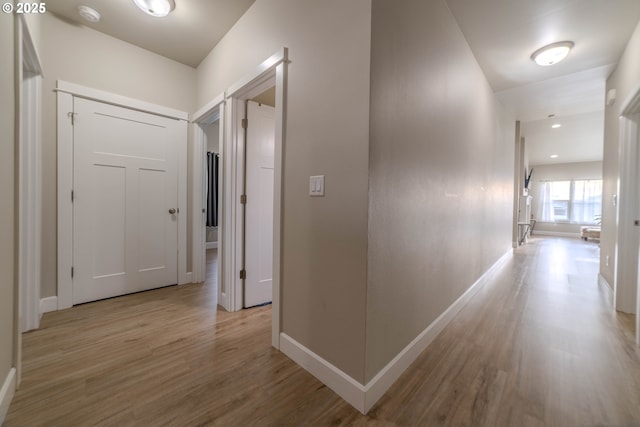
(89, 13)
(552, 53)
(157, 8)
(554, 156)
(556, 125)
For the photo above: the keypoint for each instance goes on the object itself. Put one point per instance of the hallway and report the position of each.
(539, 345)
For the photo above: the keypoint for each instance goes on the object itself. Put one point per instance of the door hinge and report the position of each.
(72, 116)
(243, 199)
(72, 272)
(245, 123)
(71, 196)
(243, 274)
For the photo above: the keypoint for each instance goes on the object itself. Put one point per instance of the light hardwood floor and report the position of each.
(537, 346)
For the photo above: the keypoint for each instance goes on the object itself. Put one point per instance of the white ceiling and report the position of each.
(502, 35)
(584, 130)
(186, 35)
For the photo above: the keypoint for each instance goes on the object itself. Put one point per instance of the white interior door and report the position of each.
(125, 236)
(259, 206)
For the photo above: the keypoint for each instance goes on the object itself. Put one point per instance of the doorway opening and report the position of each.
(626, 278)
(270, 77)
(208, 183)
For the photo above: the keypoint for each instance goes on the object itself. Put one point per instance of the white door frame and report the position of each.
(66, 92)
(214, 110)
(30, 167)
(272, 72)
(27, 297)
(626, 277)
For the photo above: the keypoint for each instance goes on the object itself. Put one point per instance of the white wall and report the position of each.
(625, 79)
(441, 174)
(87, 57)
(324, 238)
(7, 192)
(212, 133)
(559, 172)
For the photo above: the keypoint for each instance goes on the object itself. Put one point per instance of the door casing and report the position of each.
(271, 72)
(203, 117)
(66, 92)
(626, 288)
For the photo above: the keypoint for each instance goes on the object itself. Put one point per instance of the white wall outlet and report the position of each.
(316, 185)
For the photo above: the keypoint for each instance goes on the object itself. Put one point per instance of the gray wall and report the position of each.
(441, 174)
(7, 188)
(80, 55)
(625, 79)
(324, 246)
(559, 172)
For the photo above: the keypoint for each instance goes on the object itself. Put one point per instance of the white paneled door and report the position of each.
(259, 206)
(125, 197)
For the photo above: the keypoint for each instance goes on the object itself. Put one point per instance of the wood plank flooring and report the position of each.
(538, 346)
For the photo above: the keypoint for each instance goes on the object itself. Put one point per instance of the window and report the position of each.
(578, 201)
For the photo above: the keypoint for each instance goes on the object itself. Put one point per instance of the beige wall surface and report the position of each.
(324, 238)
(559, 172)
(441, 174)
(625, 79)
(83, 56)
(7, 188)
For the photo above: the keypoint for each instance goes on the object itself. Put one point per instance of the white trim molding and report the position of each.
(363, 397)
(626, 279)
(48, 305)
(29, 179)
(271, 72)
(604, 284)
(7, 392)
(119, 100)
(213, 111)
(338, 381)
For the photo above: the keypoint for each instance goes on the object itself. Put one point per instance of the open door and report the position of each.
(258, 271)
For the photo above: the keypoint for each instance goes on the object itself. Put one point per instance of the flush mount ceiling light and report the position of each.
(554, 156)
(552, 53)
(88, 13)
(556, 125)
(157, 8)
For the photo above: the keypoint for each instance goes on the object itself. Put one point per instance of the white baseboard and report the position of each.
(48, 304)
(212, 245)
(392, 371)
(363, 397)
(605, 284)
(345, 386)
(6, 394)
(555, 233)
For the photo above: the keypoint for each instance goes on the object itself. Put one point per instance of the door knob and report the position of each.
(172, 211)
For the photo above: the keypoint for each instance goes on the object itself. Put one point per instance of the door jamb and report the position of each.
(66, 92)
(29, 77)
(272, 72)
(626, 274)
(200, 119)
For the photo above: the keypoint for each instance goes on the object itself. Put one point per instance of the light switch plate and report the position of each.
(316, 185)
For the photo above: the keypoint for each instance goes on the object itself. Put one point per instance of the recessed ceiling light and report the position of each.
(157, 8)
(551, 116)
(554, 156)
(556, 125)
(88, 13)
(552, 53)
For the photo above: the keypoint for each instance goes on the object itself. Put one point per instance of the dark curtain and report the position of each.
(212, 189)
